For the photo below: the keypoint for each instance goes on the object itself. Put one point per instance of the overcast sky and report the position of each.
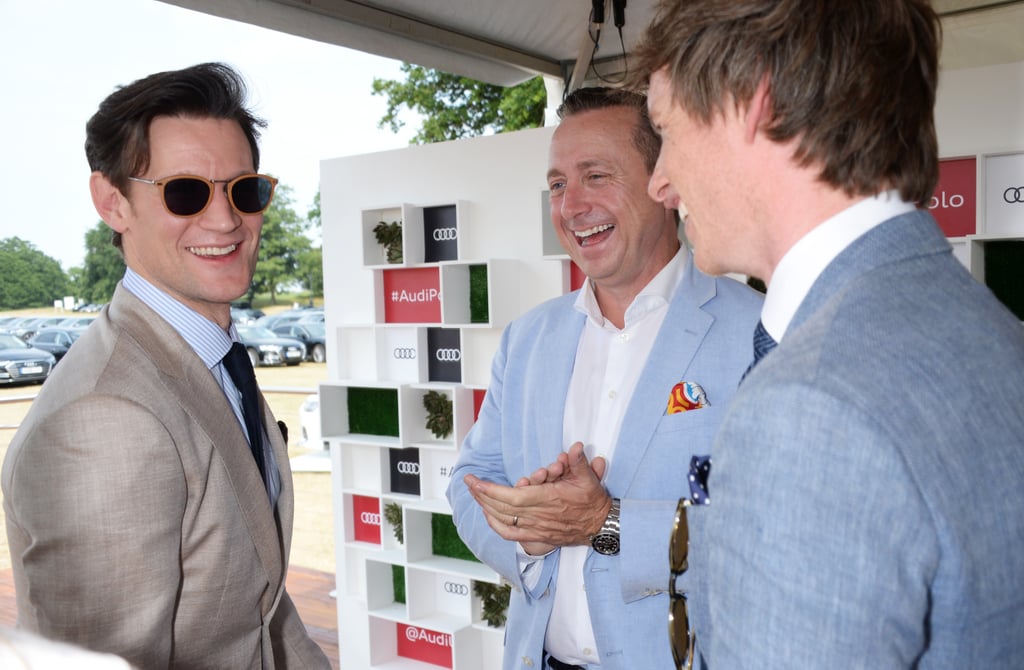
(60, 58)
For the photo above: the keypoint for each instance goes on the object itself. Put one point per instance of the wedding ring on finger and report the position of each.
(515, 521)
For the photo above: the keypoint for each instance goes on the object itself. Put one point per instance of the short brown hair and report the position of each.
(646, 141)
(852, 81)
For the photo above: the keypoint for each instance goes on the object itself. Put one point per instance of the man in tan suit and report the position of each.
(149, 514)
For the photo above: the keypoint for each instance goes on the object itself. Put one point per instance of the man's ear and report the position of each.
(108, 200)
(759, 110)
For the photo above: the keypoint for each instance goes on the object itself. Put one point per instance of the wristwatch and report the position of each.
(607, 539)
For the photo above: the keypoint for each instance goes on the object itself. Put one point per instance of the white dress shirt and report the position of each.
(808, 258)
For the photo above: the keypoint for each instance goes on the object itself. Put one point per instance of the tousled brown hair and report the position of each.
(853, 81)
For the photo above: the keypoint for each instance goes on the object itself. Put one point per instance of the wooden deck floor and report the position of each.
(309, 589)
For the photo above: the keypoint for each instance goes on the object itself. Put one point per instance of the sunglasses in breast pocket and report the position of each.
(189, 195)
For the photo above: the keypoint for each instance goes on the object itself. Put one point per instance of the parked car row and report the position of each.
(27, 326)
(30, 346)
(302, 325)
(266, 347)
(20, 362)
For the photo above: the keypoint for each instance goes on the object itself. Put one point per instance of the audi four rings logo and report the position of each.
(408, 468)
(1014, 194)
(404, 353)
(448, 355)
(456, 589)
(370, 518)
(442, 234)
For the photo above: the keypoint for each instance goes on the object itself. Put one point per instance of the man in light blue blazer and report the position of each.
(868, 483)
(568, 483)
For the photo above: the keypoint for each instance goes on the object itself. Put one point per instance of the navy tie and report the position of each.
(240, 368)
(763, 343)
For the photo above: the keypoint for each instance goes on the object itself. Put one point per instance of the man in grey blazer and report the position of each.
(144, 518)
(568, 482)
(866, 493)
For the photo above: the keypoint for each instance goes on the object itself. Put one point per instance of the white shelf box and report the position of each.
(354, 355)
(400, 645)
(360, 413)
(353, 579)
(478, 347)
(436, 466)
(380, 590)
(434, 595)
(414, 414)
(362, 468)
(551, 246)
(411, 218)
(401, 354)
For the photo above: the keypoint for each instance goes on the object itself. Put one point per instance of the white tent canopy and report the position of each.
(510, 41)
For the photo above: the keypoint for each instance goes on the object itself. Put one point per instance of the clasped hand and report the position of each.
(560, 505)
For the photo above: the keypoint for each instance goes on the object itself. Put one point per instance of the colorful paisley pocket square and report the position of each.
(686, 396)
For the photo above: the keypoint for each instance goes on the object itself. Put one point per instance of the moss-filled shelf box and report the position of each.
(480, 294)
(360, 413)
(436, 415)
(432, 543)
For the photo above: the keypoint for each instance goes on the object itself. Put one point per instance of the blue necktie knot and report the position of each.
(763, 343)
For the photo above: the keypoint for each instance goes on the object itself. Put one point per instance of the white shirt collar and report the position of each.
(659, 291)
(808, 258)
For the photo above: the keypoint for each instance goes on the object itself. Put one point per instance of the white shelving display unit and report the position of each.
(472, 259)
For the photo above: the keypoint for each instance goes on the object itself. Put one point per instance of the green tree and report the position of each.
(311, 263)
(28, 277)
(452, 106)
(282, 244)
(103, 268)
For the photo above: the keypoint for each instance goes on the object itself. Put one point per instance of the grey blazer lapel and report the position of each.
(678, 341)
(906, 236)
(186, 377)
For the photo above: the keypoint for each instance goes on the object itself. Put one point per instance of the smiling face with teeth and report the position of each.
(204, 261)
(618, 236)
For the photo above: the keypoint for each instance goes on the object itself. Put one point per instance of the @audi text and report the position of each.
(1014, 195)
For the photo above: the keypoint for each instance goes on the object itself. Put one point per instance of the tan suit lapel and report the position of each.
(186, 377)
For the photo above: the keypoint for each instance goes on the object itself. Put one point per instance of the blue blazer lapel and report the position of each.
(677, 343)
(549, 382)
